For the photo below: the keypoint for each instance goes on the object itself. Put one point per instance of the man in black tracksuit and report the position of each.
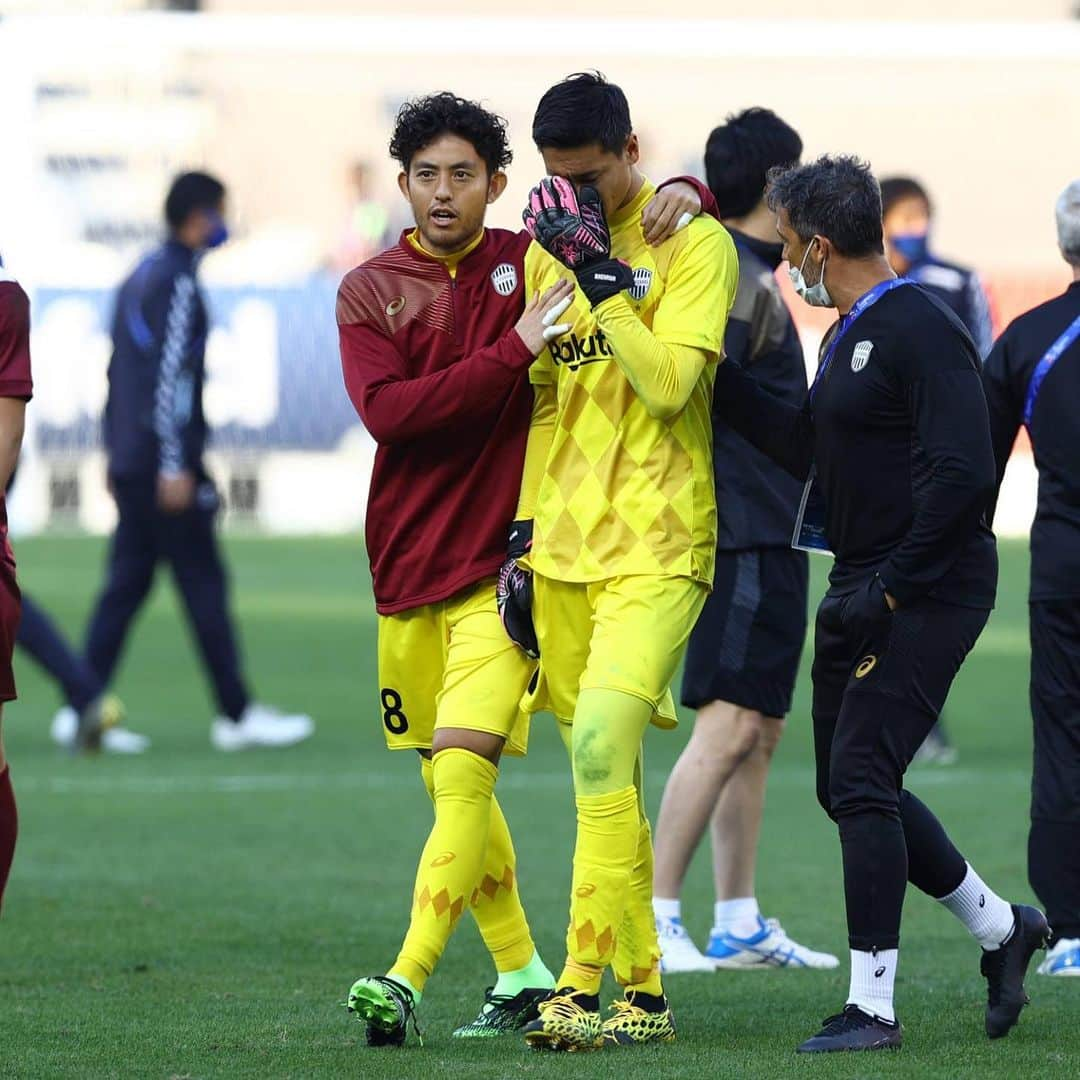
(1032, 377)
(894, 445)
(155, 436)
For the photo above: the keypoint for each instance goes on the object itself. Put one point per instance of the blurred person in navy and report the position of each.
(155, 436)
(907, 219)
(1032, 377)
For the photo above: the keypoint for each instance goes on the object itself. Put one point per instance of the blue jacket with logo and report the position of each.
(962, 292)
(154, 418)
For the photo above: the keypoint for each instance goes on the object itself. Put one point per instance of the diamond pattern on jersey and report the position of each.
(624, 492)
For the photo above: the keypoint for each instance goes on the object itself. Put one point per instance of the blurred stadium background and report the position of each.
(104, 101)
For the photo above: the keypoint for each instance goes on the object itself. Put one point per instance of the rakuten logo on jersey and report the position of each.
(573, 352)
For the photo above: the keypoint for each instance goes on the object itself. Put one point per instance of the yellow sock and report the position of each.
(637, 955)
(603, 862)
(426, 775)
(496, 904)
(452, 860)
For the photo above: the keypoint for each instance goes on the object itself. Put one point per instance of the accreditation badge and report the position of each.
(809, 532)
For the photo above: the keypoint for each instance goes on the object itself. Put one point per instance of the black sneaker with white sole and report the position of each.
(853, 1029)
(1004, 969)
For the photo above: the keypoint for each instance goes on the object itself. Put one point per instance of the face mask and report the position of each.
(218, 234)
(815, 295)
(911, 247)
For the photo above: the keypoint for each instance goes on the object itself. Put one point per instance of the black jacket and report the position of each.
(1054, 430)
(756, 500)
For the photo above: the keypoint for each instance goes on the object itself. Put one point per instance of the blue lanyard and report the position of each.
(1042, 368)
(864, 303)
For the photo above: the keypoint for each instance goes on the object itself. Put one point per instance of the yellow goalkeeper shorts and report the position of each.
(624, 633)
(451, 665)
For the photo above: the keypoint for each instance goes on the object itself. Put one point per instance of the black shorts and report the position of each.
(746, 646)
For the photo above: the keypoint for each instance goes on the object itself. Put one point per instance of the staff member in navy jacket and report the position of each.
(1032, 377)
(155, 435)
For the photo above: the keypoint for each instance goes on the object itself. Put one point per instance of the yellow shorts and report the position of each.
(451, 665)
(624, 633)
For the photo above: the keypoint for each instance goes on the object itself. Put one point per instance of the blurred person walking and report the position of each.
(155, 436)
(1032, 377)
(743, 655)
(907, 220)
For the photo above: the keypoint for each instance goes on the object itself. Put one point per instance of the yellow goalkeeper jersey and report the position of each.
(623, 491)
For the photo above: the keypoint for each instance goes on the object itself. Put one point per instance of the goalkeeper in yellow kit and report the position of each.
(618, 486)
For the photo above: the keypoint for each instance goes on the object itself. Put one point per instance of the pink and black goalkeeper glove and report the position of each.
(571, 226)
(513, 591)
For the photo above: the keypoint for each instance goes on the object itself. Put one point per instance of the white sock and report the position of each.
(738, 917)
(872, 978)
(981, 910)
(667, 909)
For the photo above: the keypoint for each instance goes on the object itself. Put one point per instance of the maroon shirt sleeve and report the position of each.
(15, 381)
(709, 204)
(396, 408)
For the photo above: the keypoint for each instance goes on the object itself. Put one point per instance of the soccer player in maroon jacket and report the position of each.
(15, 391)
(436, 343)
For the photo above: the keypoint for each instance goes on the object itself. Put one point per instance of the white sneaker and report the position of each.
(769, 946)
(678, 951)
(1062, 959)
(114, 740)
(260, 725)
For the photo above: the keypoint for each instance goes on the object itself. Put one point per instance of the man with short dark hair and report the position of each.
(1032, 377)
(619, 498)
(155, 435)
(893, 446)
(743, 656)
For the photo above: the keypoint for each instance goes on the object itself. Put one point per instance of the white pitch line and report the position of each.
(518, 780)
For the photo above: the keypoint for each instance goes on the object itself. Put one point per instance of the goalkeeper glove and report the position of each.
(571, 226)
(513, 591)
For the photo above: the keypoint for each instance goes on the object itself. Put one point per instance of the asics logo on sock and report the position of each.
(444, 859)
(584, 891)
(880, 971)
(573, 351)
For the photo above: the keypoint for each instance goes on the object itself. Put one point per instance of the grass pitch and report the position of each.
(195, 914)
